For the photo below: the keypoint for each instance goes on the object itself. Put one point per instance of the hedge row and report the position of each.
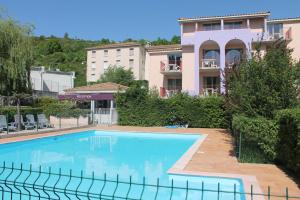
(181, 109)
(259, 133)
(278, 140)
(289, 138)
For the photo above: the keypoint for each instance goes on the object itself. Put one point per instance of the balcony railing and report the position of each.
(210, 64)
(286, 34)
(171, 66)
(209, 91)
(169, 92)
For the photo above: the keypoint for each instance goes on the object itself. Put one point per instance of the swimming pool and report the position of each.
(128, 155)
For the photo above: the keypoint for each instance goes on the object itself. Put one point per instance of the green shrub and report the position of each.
(65, 109)
(138, 107)
(289, 138)
(259, 135)
(10, 111)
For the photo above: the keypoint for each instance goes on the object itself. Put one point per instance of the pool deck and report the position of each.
(214, 155)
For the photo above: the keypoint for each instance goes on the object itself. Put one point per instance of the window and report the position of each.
(211, 27)
(174, 84)
(213, 55)
(93, 65)
(93, 54)
(211, 82)
(233, 25)
(93, 74)
(118, 52)
(105, 53)
(131, 63)
(275, 30)
(131, 51)
(233, 56)
(118, 62)
(105, 65)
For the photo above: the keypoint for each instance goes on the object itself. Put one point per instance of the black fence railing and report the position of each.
(27, 183)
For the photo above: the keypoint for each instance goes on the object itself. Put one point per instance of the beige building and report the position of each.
(128, 55)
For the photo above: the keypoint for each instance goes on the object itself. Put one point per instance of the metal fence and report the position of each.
(27, 183)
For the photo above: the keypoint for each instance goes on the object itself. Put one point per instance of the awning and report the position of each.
(86, 97)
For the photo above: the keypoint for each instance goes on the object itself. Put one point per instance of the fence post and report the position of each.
(59, 122)
(240, 146)
(77, 121)
(37, 123)
(287, 193)
(7, 128)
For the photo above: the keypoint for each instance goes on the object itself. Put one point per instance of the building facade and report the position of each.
(208, 46)
(128, 55)
(50, 82)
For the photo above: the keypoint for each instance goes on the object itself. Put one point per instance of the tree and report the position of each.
(16, 57)
(263, 84)
(176, 39)
(118, 75)
(53, 46)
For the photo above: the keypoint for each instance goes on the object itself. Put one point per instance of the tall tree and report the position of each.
(15, 57)
(264, 84)
(117, 74)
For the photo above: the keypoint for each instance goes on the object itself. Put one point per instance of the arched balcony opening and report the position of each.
(235, 52)
(209, 73)
(209, 54)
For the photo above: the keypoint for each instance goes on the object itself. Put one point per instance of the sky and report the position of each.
(137, 19)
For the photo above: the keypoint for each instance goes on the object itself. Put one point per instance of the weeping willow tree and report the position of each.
(16, 58)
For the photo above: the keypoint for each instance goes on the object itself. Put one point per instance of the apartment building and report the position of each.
(128, 55)
(208, 46)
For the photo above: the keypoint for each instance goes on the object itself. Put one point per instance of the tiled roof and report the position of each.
(108, 86)
(205, 18)
(172, 47)
(285, 19)
(115, 45)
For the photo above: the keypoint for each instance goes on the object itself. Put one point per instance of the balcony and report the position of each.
(209, 64)
(166, 93)
(171, 67)
(209, 92)
(285, 34)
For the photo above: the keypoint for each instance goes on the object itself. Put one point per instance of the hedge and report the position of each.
(143, 109)
(289, 138)
(12, 110)
(259, 138)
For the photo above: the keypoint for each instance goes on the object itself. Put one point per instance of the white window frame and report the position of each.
(105, 52)
(131, 52)
(94, 53)
(131, 61)
(93, 66)
(118, 52)
(105, 65)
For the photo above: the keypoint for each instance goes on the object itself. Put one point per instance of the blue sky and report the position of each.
(121, 19)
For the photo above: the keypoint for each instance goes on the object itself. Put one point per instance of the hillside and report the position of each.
(69, 54)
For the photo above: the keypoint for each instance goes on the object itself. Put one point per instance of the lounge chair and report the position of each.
(44, 121)
(6, 126)
(30, 119)
(27, 125)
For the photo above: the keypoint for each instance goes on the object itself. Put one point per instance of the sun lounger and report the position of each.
(44, 121)
(6, 126)
(27, 125)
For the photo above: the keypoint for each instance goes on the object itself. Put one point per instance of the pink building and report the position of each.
(208, 46)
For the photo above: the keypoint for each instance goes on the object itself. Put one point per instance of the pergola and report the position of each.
(94, 93)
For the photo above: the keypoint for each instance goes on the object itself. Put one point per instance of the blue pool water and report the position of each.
(126, 154)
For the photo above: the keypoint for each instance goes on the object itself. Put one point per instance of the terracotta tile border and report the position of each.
(179, 166)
